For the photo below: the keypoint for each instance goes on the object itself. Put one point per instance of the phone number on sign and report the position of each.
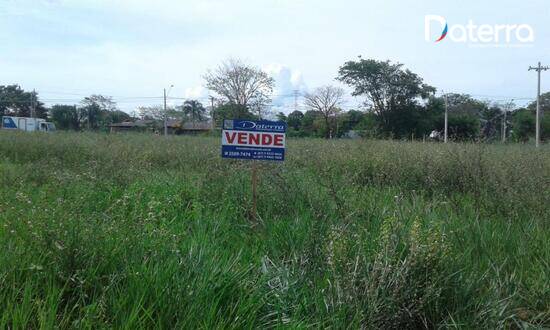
(237, 154)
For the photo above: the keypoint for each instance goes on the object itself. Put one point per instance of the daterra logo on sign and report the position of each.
(437, 29)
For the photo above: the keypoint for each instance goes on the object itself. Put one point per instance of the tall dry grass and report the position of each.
(139, 231)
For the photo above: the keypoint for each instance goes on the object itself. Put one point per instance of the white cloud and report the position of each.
(287, 82)
(197, 92)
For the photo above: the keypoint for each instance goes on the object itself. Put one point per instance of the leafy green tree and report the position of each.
(294, 119)
(116, 116)
(194, 110)
(545, 114)
(463, 127)
(523, 125)
(311, 123)
(545, 128)
(348, 121)
(96, 111)
(14, 101)
(104, 103)
(465, 104)
(65, 116)
(353, 118)
(91, 115)
(389, 88)
(464, 116)
(431, 116)
(369, 126)
(491, 122)
(281, 117)
(231, 111)
(544, 103)
(408, 122)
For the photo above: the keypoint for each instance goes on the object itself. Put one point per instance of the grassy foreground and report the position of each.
(136, 231)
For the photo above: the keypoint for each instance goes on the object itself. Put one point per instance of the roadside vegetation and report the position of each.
(396, 103)
(137, 231)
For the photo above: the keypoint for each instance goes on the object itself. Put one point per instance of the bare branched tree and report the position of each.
(326, 100)
(155, 112)
(240, 84)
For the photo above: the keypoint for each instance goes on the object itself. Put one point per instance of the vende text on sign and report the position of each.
(256, 140)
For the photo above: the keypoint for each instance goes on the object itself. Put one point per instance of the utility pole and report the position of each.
(33, 103)
(506, 109)
(539, 69)
(166, 110)
(212, 113)
(446, 117)
(165, 115)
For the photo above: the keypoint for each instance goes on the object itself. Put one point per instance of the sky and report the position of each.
(131, 50)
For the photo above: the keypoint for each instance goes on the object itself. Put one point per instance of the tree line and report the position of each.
(397, 104)
(94, 112)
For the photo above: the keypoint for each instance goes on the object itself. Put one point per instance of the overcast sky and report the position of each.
(128, 49)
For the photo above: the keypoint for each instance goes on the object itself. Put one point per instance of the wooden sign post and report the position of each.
(254, 185)
(254, 140)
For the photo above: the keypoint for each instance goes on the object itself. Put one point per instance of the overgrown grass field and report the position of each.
(137, 231)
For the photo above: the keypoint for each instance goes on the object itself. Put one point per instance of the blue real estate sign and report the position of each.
(256, 140)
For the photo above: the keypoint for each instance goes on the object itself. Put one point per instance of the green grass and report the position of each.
(138, 231)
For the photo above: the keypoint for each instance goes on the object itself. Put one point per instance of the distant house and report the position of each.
(194, 127)
(179, 127)
(157, 126)
(133, 126)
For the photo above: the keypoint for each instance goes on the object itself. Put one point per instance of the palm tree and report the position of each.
(194, 110)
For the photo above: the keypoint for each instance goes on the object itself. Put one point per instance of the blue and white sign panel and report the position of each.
(7, 122)
(256, 140)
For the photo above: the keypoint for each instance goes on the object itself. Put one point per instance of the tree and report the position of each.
(463, 127)
(240, 84)
(523, 125)
(544, 103)
(464, 104)
(155, 112)
(387, 86)
(294, 119)
(260, 107)
(491, 122)
(544, 114)
(310, 123)
(326, 101)
(351, 119)
(65, 116)
(95, 110)
(369, 126)
(105, 103)
(14, 101)
(115, 116)
(281, 117)
(194, 110)
(465, 116)
(231, 111)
